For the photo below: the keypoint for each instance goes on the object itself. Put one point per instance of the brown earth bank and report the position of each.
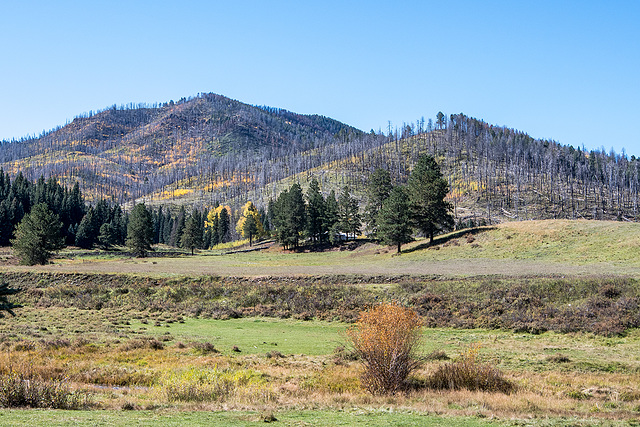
(601, 305)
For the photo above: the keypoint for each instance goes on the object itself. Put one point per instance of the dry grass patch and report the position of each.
(467, 372)
(25, 389)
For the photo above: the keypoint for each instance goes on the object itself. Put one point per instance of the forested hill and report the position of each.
(210, 149)
(128, 152)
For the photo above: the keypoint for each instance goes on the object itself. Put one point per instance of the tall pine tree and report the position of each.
(330, 218)
(378, 190)
(140, 230)
(315, 212)
(348, 213)
(38, 235)
(393, 221)
(192, 235)
(427, 189)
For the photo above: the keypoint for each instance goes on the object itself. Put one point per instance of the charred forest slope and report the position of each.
(128, 152)
(210, 149)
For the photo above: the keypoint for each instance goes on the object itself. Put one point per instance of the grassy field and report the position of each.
(562, 247)
(296, 369)
(361, 417)
(177, 341)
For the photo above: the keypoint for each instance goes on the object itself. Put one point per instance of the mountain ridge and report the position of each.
(210, 149)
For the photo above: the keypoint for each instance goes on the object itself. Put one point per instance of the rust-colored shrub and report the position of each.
(385, 339)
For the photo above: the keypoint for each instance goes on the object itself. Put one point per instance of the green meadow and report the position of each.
(239, 338)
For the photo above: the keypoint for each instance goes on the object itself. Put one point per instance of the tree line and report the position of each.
(40, 218)
(393, 213)
(52, 217)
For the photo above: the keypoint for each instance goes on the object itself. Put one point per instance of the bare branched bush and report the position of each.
(385, 339)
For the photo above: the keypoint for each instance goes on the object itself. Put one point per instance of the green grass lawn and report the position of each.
(508, 350)
(360, 417)
(256, 336)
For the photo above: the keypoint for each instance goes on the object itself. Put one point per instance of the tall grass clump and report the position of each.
(385, 338)
(205, 385)
(18, 390)
(467, 372)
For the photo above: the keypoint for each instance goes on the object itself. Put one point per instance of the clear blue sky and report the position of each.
(563, 70)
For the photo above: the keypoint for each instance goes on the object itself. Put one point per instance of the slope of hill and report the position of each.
(210, 149)
(130, 152)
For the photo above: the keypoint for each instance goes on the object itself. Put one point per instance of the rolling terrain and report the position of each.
(208, 149)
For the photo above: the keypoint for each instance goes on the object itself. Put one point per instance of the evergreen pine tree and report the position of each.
(16, 211)
(289, 216)
(38, 235)
(348, 213)
(393, 221)
(77, 208)
(206, 236)
(192, 235)
(102, 214)
(315, 212)
(168, 226)
(330, 218)
(70, 238)
(199, 219)
(271, 213)
(158, 218)
(295, 215)
(215, 230)
(119, 224)
(264, 219)
(223, 226)
(6, 227)
(107, 236)
(140, 230)
(426, 189)
(178, 228)
(378, 190)
(87, 232)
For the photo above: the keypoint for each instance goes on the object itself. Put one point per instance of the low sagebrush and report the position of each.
(468, 373)
(19, 390)
(204, 348)
(135, 344)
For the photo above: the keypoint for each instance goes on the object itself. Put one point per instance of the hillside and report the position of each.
(129, 152)
(210, 149)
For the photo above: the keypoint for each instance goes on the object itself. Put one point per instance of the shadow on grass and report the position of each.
(440, 240)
